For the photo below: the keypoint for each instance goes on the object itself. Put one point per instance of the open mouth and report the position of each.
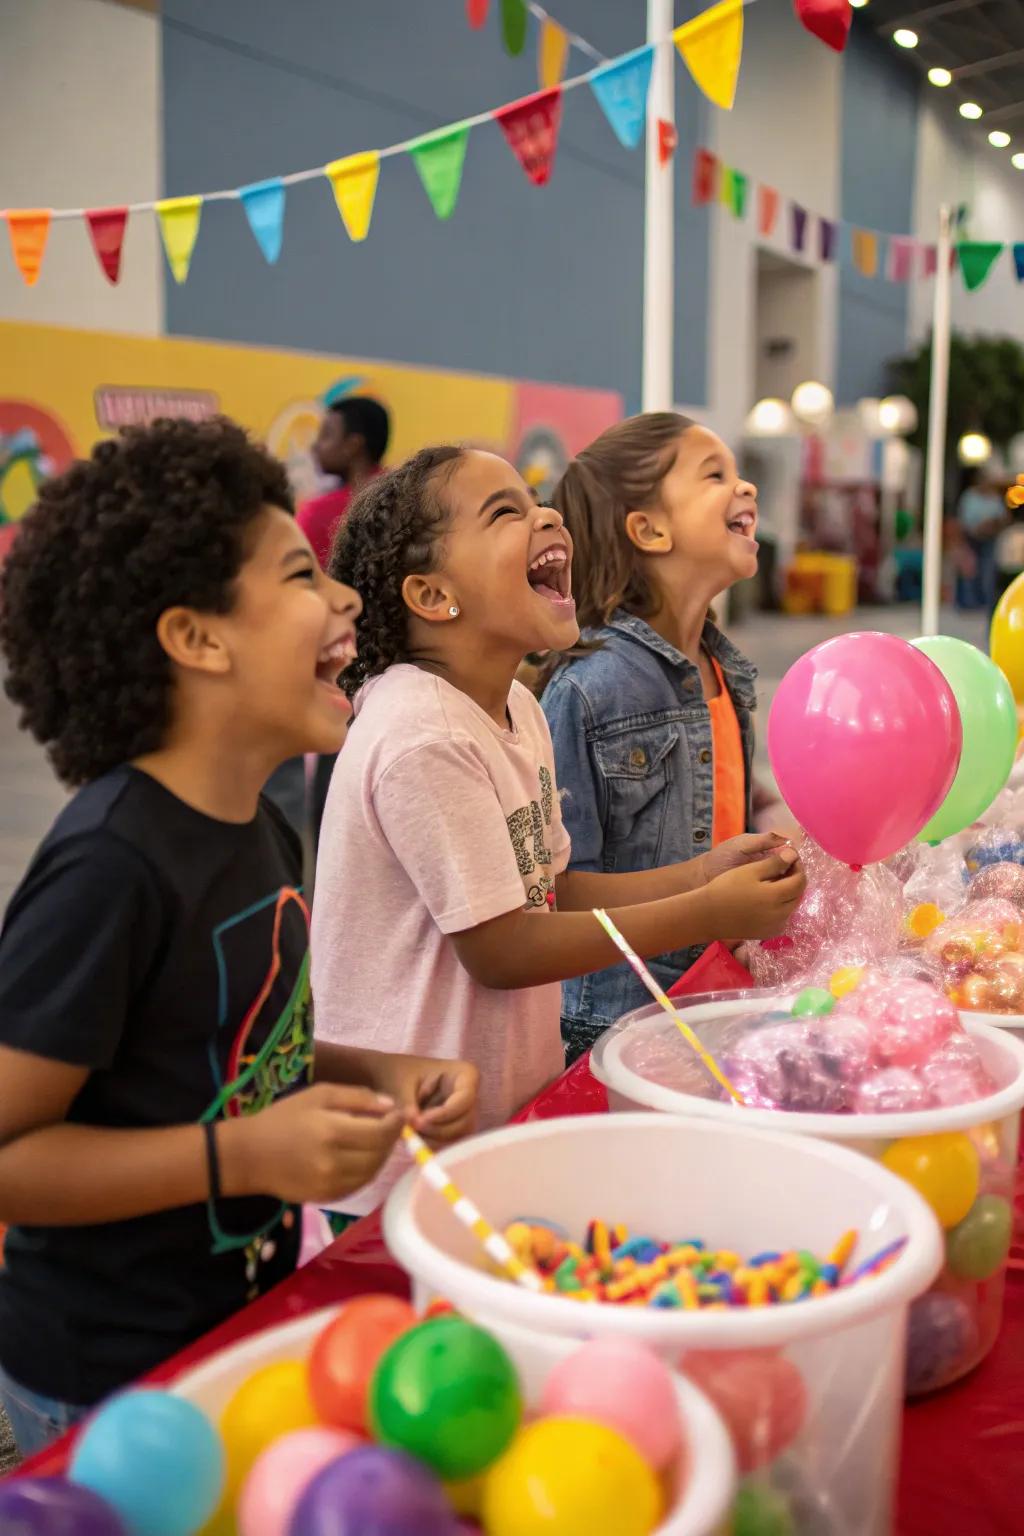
(549, 574)
(744, 523)
(334, 658)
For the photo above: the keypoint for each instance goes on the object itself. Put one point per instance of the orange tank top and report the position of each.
(730, 774)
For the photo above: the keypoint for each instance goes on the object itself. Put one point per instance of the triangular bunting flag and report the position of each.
(929, 261)
(711, 46)
(531, 128)
(827, 230)
(798, 226)
(1018, 261)
(28, 229)
(106, 230)
(668, 139)
(438, 158)
(514, 16)
(621, 88)
(263, 202)
(828, 20)
(476, 12)
(552, 52)
(734, 191)
(767, 210)
(725, 187)
(705, 177)
(179, 225)
(864, 249)
(977, 258)
(902, 251)
(354, 180)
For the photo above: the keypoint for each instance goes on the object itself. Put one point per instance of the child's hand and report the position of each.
(738, 851)
(438, 1098)
(755, 901)
(318, 1145)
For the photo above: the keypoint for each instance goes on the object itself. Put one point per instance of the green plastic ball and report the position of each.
(761, 1511)
(447, 1393)
(977, 1247)
(813, 1003)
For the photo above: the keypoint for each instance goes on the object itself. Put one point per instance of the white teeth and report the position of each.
(341, 651)
(549, 557)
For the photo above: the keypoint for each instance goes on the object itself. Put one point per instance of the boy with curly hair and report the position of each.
(170, 639)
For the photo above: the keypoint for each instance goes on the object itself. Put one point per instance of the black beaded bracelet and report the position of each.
(212, 1161)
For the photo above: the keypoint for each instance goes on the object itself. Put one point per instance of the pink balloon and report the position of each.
(280, 1475)
(864, 737)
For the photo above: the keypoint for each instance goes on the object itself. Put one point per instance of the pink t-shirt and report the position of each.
(436, 820)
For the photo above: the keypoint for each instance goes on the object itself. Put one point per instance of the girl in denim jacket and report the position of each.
(651, 714)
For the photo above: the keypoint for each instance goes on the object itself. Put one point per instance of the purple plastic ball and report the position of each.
(941, 1337)
(374, 1491)
(48, 1506)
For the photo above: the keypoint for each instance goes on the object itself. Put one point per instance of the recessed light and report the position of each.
(940, 77)
(970, 109)
(904, 38)
(1017, 161)
(998, 139)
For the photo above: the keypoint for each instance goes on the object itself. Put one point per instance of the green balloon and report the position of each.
(813, 1003)
(761, 1510)
(977, 1248)
(447, 1393)
(989, 718)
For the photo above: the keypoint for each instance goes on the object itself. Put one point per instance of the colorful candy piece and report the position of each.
(813, 1003)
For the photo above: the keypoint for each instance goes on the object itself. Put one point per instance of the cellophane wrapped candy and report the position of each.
(980, 952)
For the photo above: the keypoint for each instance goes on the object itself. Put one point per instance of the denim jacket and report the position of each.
(635, 767)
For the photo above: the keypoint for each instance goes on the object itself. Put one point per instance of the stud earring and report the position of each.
(453, 611)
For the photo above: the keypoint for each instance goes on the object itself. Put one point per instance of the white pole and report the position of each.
(658, 393)
(935, 467)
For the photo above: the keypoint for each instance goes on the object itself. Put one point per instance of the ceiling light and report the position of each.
(974, 448)
(812, 403)
(998, 139)
(1017, 161)
(897, 415)
(770, 418)
(970, 109)
(940, 77)
(904, 38)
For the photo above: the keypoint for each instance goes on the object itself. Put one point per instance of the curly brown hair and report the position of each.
(156, 517)
(393, 530)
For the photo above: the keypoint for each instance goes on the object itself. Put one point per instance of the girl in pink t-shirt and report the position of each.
(444, 916)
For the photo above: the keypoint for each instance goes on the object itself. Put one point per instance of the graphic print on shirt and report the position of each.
(270, 1052)
(528, 828)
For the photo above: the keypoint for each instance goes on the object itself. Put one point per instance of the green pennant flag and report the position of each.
(977, 258)
(514, 17)
(740, 183)
(438, 159)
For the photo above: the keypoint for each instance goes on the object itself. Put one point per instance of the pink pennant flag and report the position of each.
(901, 259)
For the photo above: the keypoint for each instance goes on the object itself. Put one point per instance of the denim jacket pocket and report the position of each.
(637, 769)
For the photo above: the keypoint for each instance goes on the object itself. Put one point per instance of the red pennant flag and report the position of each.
(767, 210)
(930, 261)
(476, 12)
(828, 20)
(531, 128)
(106, 226)
(705, 177)
(668, 139)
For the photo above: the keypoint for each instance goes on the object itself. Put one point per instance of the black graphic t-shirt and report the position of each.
(169, 954)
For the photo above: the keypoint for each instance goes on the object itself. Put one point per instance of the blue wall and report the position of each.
(526, 282)
(879, 156)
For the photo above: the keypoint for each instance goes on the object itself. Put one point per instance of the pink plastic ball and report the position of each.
(955, 1074)
(909, 1020)
(621, 1384)
(279, 1477)
(893, 1090)
(760, 1395)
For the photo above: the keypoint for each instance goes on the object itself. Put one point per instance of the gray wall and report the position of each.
(525, 282)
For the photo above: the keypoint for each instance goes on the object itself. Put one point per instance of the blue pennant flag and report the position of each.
(1018, 260)
(621, 89)
(264, 208)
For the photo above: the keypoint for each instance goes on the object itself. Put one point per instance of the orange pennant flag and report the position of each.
(179, 225)
(354, 180)
(711, 45)
(28, 228)
(767, 209)
(552, 52)
(865, 252)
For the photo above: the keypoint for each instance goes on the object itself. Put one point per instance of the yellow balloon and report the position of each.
(571, 1477)
(845, 980)
(1007, 640)
(270, 1403)
(944, 1169)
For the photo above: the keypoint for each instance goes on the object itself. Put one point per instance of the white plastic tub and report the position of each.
(734, 1186)
(711, 1482)
(973, 1310)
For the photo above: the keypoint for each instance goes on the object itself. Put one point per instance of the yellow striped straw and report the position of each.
(493, 1243)
(661, 997)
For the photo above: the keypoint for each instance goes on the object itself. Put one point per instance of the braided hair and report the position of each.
(393, 530)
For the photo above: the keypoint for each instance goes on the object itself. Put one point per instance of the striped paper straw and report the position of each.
(493, 1243)
(661, 997)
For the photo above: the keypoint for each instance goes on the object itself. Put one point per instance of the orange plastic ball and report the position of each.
(345, 1356)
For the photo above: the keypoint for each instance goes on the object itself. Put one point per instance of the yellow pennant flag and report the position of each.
(552, 51)
(865, 252)
(354, 180)
(179, 226)
(711, 45)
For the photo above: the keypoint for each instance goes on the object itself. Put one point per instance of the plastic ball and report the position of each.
(972, 993)
(447, 1393)
(781, 1067)
(813, 1003)
(1005, 977)
(760, 1395)
(944, 1169)
(271, 1402)
(908, 1021)
(956, 1074)
(844, 1047)
(893, 1090)
(924, 919)
(942, 1336)
(621, 1384)
(572, 1476)
(761, 1510)
(977, 1248)
(155, 1458)
(374, 1491)
(845, 980)
(345, 1355)
(49, 1506)
(280, 1474)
